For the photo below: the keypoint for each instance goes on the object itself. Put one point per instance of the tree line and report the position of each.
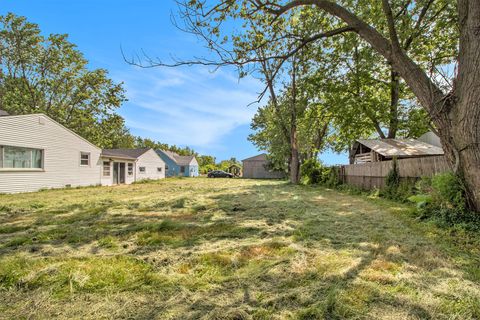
(50, 75)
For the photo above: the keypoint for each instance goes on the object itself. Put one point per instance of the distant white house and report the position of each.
(36, 153)
(124, 166)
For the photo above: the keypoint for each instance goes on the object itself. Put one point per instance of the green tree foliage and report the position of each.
(312, 130)
(149, 143)
(50, 75)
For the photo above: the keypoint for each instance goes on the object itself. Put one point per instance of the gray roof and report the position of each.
(184, 160)
(3, 113)
(178, 159)
(260, 157)
(124, 153)
(401, 147)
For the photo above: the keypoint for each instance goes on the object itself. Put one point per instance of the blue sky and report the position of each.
(184, 106)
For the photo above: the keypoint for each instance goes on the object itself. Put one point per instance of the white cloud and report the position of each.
(188, 106)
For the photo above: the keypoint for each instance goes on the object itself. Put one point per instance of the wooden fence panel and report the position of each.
(372, 175)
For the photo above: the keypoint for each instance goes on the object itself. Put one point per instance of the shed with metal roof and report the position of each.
(374, 150)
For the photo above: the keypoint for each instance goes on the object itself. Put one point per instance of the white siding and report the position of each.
(194, 162)
(108, 180)
(151, 161)
(61, 148)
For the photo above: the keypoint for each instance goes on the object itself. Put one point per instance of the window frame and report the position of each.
(142, 170)
(159, 169)
(31, 168)
(109, 169)
(82, 153)
(183, 169)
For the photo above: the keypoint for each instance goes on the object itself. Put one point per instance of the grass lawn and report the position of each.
(228, 249)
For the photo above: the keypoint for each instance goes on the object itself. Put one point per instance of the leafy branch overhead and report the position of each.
(421, 42)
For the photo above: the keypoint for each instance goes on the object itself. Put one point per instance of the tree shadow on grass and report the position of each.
(353, 251)
(157, 224)
(344, 223)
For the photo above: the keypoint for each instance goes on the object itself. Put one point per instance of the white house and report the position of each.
(128, 165)
(37, 153)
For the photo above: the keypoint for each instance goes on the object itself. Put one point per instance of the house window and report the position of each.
(106, 168)
(166, 167)
(84, 158)
(159, 169)
(20, 158)
(142, 169)
(130, 169)
(182, 169)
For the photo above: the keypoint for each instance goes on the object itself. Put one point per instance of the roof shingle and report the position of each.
(124, 153)
(178, 159)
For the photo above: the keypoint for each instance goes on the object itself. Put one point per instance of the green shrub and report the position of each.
(396, 188)
(449, 190)
(392, 182)
(311, 171)
(332, 177)
(442, 198)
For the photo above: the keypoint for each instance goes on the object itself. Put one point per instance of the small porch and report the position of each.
(117, 170)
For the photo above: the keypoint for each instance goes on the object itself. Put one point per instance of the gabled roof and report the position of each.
(178, 159)
(184, 160)
(169, 154)
(132, 154)
(8, 116)
(401, 147)
(260, 157)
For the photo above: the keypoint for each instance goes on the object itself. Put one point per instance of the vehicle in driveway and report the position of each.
(219, 174)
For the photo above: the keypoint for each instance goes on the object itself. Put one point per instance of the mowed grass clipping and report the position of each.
(228, 249)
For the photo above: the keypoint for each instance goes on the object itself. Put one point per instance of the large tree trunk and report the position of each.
(294, 159)
(459, 121)
(394, 100)
(294, 156)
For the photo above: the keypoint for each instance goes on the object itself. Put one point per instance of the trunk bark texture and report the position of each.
(294, 159)
(394, 99)
(294, 156)
(459, 121)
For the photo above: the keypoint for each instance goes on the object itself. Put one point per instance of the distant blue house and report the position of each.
(179, 166)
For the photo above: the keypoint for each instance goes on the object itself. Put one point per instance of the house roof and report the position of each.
(184, 160)
(401, 147)
(53, 121)
(3, 113)
(178, 159)
(132, 154)
(260, 157)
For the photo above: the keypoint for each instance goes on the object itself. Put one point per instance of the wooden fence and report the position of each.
(372, 175)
